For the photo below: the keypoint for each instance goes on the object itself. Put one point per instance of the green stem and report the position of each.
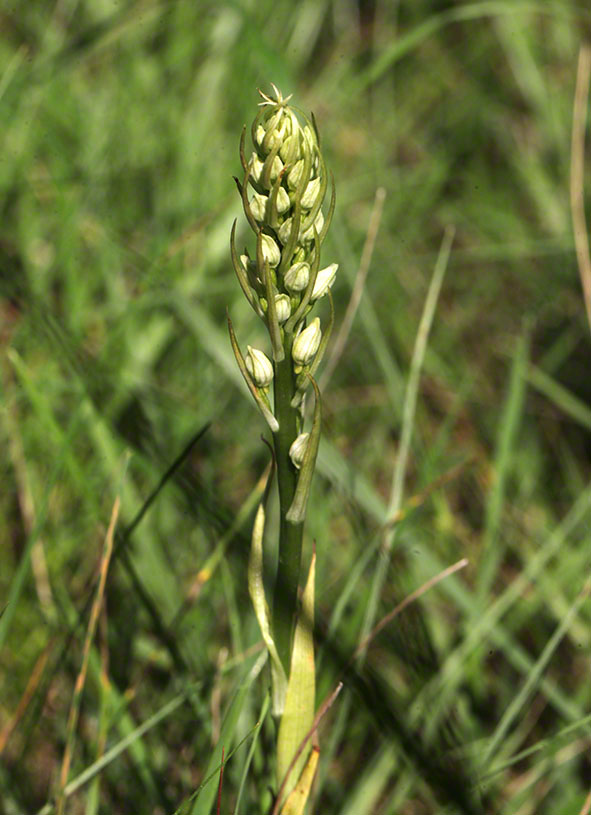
(290, 535)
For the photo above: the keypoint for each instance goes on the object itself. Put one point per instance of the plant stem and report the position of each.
(290, 535)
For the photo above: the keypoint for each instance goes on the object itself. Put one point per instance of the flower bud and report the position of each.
(297, 276)
(295, 174)
(258, 206)
(275, 135)
(308, 235)
(276, 168)
(285, 231)
(306, 344)
(271, 251)
(260, 135)
(256, 167)
(286, 147)
(259, 366)
(268, 134)
(310, 193)
(298, 450)
(282, 307)
(324, 280)
(283, 202)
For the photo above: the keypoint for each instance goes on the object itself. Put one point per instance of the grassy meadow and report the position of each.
(456, 395)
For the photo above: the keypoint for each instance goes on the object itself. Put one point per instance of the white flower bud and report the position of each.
(258, 206)
(306, 344)
(308, 235)
(298, 450)
(310, 193)
(282, 307)
(259, 366)
(276, 135)
(295, 174)
(276, 168)
(297, 276)
(285, 147)
(256, 167)
(271, 251)
(285, 230)
(260, 135)
(324, 280)
(283, 202)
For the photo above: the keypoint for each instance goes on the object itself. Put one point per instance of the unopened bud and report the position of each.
(324, 280)
(260, 135)
(276, 168)
(298, 450)
(271, 251)
(310, 193)
(306, 344)
(258, 206)
(308, 235)
(283, 202)
(285, 231)
(256, 167)
(295, 174)
(297, 276)
(259, 366)
(282, 307)
(285, 148)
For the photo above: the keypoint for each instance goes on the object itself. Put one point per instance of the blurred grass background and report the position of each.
(120, 130)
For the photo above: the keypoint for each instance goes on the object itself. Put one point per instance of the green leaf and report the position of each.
(256, 590)
(298, 715)
(202, 803)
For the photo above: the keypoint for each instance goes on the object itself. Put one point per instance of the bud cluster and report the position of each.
(283, 190)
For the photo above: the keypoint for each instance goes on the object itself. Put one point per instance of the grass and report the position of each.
(120, 135)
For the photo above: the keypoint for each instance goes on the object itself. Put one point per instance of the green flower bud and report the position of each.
(285, 231)
(297, 276)
(310, 193)
(288, 183)
(275, 135)
(295, 174)
(282, 307)
(271, 251)
(259, 366)
(256, 167)
(308, 235)
(298, 450)
(288, 144)
(258, 206)
(283, 202)
(324, 280)
(278, 128)
(276, 168)
(260, 135)
(306, 343)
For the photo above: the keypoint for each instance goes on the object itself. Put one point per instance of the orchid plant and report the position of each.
(283, 190)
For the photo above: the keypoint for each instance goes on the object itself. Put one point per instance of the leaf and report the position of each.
(298, 715)
(256, 590)
(202, 802)
(298, 797)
